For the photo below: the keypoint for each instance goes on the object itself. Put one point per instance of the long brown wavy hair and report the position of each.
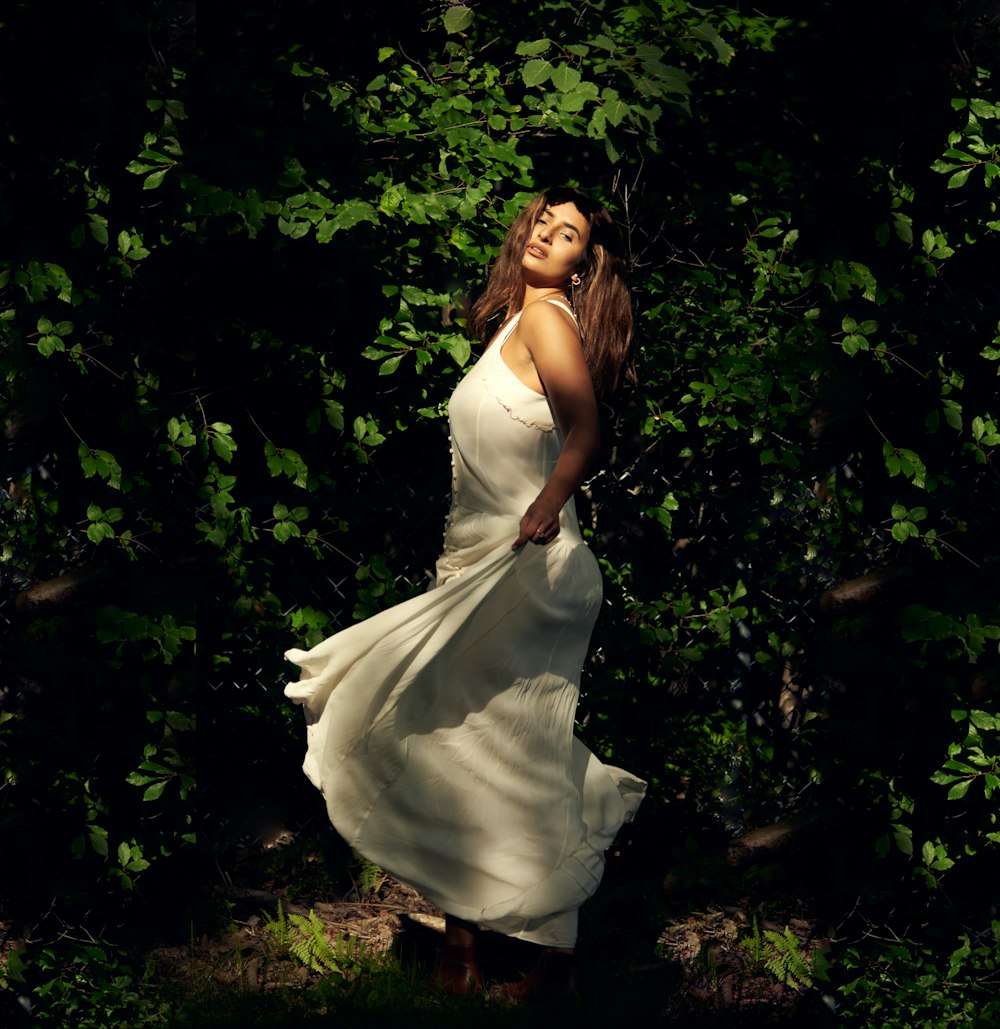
(602, 302)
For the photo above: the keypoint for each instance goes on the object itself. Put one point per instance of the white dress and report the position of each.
(440, 731)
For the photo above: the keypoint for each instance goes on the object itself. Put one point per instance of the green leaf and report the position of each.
(565, 78)
(99, 840)
(532, 48)
(48, 345)
(352, 212)
(99, 228)
(903, 225)
(615, 109)
(903, 836)
(709, 34)
(535, 72)
(984, 720)
(959, 790)
(391, 200)
(457, 19)
(459, 348)
(598, 124)
(95, 532)
(154, 791)
(334, 414)
(959, 178)
(902, 531)
(943, 167)
(224, 446)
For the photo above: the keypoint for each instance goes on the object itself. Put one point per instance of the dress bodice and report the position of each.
(505, 439)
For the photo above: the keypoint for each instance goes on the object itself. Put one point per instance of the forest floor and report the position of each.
(293, 947)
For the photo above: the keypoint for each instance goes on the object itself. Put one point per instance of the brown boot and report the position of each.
(456, 971)
(554, 978)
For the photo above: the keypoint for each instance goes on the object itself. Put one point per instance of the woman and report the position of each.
(441, 731)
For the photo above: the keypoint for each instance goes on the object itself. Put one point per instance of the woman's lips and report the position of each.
(536, 251)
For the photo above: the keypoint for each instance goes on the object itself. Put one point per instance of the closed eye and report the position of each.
(565, 235)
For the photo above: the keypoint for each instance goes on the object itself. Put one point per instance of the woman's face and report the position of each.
(557, 246)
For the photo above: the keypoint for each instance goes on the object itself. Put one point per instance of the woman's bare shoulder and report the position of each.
(544, 316)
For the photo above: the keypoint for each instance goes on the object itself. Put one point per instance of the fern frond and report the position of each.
(371, 876)
(787, 963)
(780, 955)
(278, 928)
(304, 939)
(312, 947)
(754, 945)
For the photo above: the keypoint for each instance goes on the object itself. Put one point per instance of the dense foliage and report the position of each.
(236, 259)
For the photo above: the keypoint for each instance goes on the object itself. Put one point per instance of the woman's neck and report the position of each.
(533, 293)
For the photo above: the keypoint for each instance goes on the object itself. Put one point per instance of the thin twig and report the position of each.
(72, 430)
(267, 439)
(882, 349)
(100, 364)
(952, 547)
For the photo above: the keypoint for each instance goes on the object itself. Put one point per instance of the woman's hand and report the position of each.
(539, 525)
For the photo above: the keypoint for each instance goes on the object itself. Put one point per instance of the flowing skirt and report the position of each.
(440, 732)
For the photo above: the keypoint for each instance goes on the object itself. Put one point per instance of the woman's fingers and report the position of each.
(540, 535)
(543, 536)
(539, 525)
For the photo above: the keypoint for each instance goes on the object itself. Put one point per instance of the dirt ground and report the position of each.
(698, 968)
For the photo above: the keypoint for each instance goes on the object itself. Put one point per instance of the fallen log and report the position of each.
(57, 591)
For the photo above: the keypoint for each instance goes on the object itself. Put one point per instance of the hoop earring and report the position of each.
(575, 280)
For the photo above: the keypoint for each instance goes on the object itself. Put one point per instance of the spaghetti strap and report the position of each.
(563, 304)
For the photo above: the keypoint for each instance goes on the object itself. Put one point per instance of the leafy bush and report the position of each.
(91, 985)
(232, 308)
(913, 984)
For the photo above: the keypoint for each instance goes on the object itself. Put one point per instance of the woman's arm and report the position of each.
(553, 341)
